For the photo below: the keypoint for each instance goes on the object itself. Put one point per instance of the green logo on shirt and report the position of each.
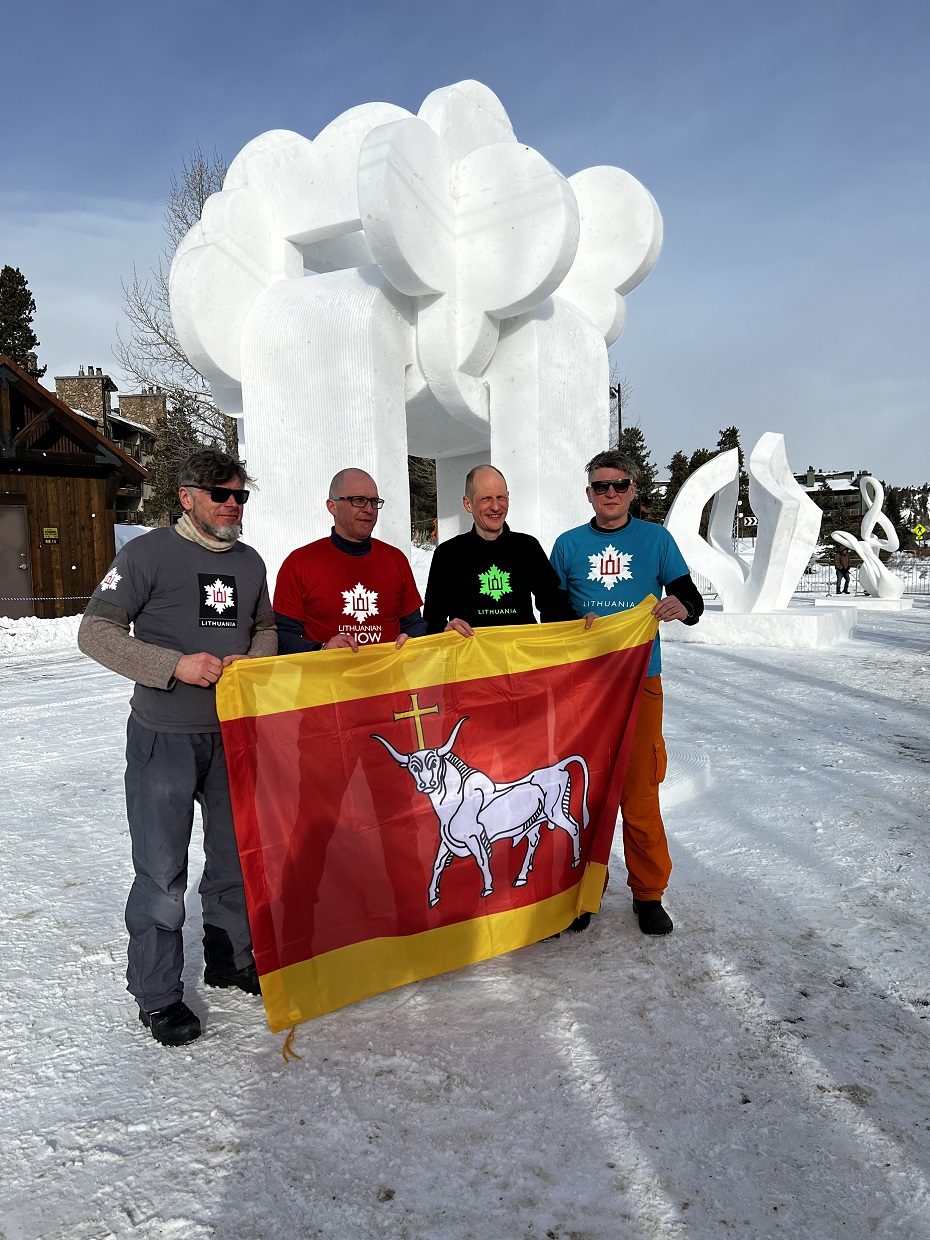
(495, 582)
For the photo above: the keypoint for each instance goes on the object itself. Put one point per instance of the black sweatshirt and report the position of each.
(490, 582)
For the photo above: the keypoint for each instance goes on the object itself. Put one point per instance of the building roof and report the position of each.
(51, 409)
(136, 426)
(108, 385)
(117, 417)
(833, 484)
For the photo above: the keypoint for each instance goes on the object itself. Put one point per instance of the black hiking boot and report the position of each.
(653, 918)
(220, 966)
(579, 924)
(173, 1025)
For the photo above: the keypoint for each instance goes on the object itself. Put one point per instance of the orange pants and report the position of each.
(645, 847)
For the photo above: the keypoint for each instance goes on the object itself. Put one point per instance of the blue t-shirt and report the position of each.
(611, 570)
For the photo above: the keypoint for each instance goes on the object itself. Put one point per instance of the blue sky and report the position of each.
(787, 145)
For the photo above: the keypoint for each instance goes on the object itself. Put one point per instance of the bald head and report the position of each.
(348, 481)
(353, 521)
(485, 478)
(487, 500)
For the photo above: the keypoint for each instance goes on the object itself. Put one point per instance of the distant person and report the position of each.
(490, 575)
(608, 565)
(842, 560)
(348, 589)
(197, 600)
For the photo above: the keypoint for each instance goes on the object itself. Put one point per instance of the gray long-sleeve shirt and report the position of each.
(180, 598)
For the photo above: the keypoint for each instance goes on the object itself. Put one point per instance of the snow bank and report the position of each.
(30, 634)
(126, 533)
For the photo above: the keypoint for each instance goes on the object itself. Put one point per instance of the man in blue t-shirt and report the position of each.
(607, 565)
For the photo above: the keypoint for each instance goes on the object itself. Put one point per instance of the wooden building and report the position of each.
(134, 427)
(59, 482)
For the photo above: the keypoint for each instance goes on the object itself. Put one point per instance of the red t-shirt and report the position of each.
(333, 592)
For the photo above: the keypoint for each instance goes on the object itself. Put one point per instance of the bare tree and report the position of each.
(620, 392)
(200, 176)
(153, 356)
(421, 473)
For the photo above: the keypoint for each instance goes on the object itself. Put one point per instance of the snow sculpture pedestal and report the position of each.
(795, 628)
(866, 604)
(411, 284)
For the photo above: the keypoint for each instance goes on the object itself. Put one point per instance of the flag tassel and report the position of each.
(287, 1050)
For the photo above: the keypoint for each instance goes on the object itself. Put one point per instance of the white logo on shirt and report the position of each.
(219, 596)
(360, 603)
(610, 566)
(111, 581)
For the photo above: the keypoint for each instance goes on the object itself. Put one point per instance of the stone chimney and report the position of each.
(88, 392)
(148, 407)
(810, 475)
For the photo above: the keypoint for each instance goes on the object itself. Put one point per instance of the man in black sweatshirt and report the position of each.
(491, 575)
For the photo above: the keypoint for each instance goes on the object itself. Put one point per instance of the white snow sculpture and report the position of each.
(789, 525)
(877, 580)
(422, 284)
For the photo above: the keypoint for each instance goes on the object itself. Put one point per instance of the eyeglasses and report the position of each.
(620, 485)
(220, 495)
(360, 501)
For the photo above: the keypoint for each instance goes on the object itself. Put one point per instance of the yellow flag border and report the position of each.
(341, 977)
(253, 687)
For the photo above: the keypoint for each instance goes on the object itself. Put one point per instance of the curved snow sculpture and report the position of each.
(877, 580)
(422, 284)
(789, 525)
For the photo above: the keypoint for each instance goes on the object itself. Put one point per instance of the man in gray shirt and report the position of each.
(197, 600)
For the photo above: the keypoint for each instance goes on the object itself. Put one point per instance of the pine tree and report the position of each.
(892, 510)
(182, 435)
(678, 471)
(17, 309)
(633, 444)
(699, 457)
(727, 440)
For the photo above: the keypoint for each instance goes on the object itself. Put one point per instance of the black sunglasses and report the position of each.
(620, 485)
(220, 495)
(360, 501)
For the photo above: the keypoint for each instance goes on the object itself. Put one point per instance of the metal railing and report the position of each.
(821, 579)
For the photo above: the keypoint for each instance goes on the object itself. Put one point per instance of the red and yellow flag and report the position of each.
(403, 813)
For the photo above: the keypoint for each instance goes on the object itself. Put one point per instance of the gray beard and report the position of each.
(224, 533)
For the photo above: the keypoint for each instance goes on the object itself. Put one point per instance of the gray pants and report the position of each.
(166, 772)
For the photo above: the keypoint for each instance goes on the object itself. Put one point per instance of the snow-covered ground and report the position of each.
(763, 1072)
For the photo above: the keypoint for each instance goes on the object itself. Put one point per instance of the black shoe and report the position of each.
(173, 1025)
(220, 966)
(579, 924)
(239, 979)
(653, 918)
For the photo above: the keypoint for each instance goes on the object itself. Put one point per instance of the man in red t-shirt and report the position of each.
(348, 589)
